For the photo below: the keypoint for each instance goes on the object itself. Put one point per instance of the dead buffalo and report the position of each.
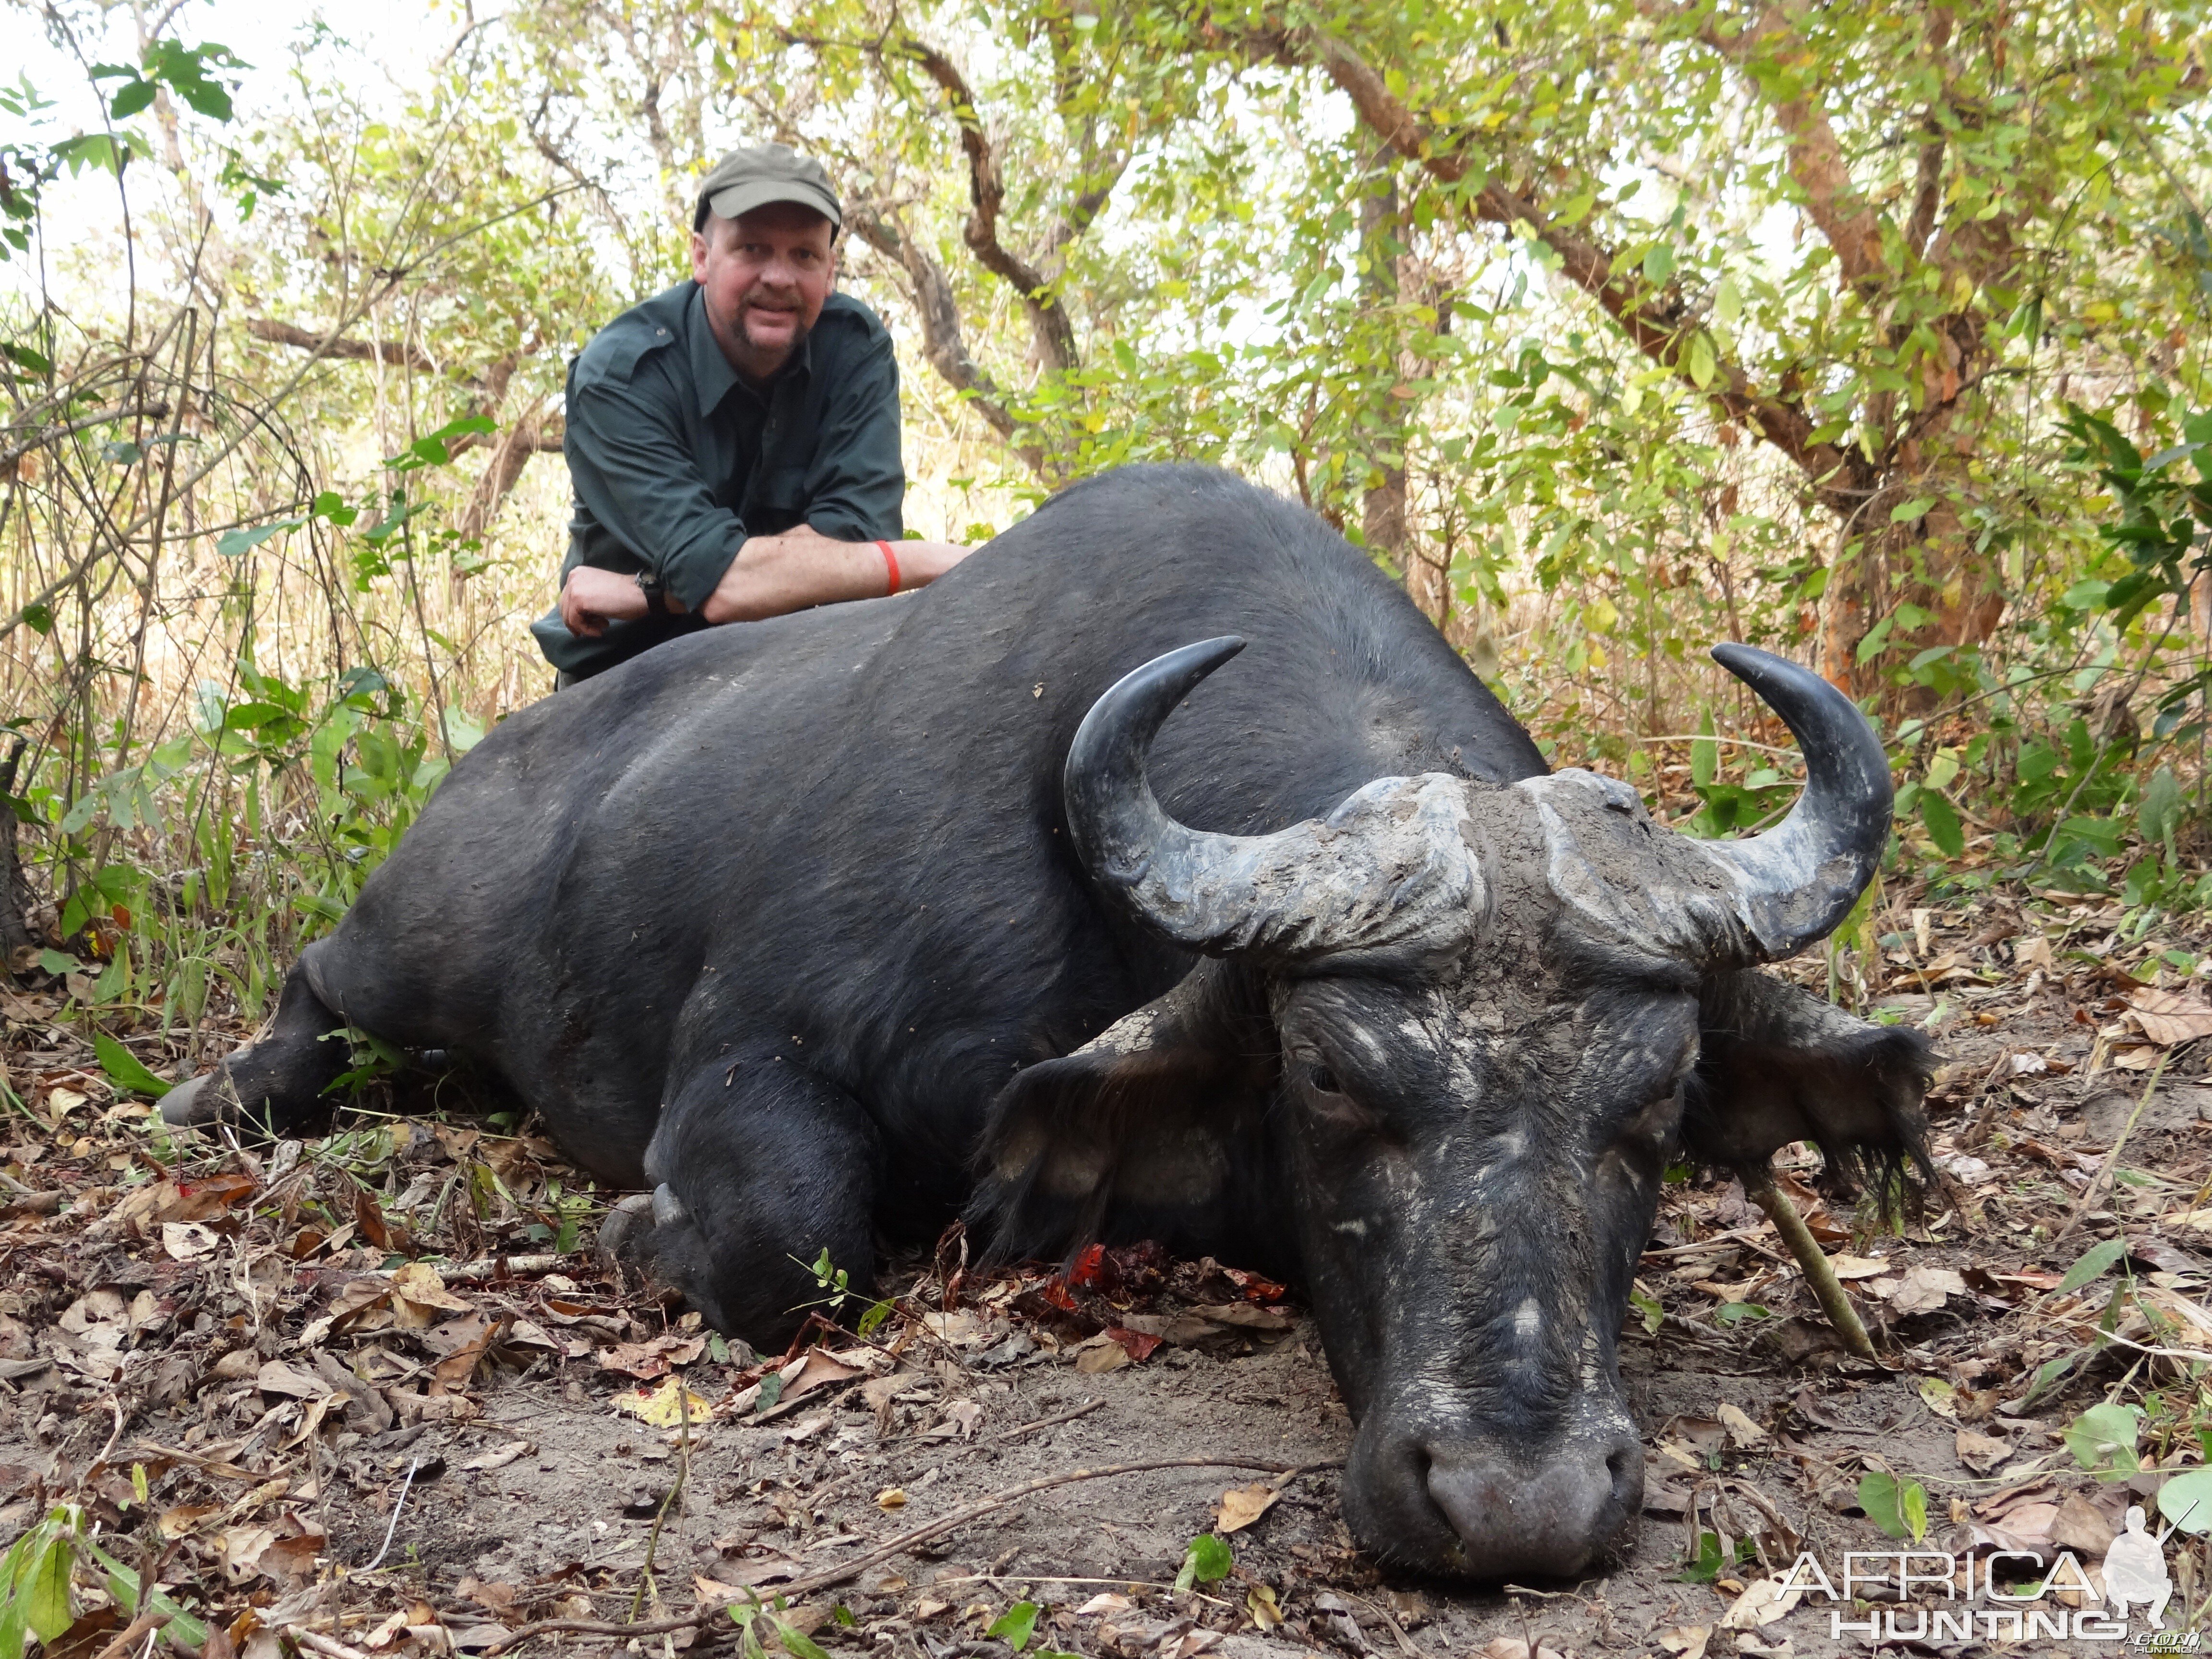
(827, 927)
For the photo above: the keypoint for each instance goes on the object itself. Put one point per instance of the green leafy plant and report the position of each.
(124, 1069)
(1017, 1625)
(1899, 1507)
(2103, 1440)
(37, 1596)
(1649, 1310)
(2186, 1501)
(2094, 1264)
(759, 1623)
(1710, 1560)
(1206, 1560)
(835, 1284)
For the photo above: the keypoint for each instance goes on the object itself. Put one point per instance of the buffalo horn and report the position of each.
(1389, 869)
(1164, 869)
(1802, 877)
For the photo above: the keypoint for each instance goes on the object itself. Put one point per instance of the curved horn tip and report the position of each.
(1750, 665)
(1802, 876)
(1197, 659)
(1820, 715)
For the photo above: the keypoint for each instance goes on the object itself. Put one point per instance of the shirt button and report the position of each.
(662, 332)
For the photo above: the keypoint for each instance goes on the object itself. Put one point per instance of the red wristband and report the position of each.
(890, 562)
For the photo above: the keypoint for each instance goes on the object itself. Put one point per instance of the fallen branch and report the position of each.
(127, 1637)
(807, 1584)
(1819, 1271)
(516, 1266)
(1084, 1410)
(329, 1647)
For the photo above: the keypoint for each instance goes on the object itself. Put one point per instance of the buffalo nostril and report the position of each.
(1621, 1464)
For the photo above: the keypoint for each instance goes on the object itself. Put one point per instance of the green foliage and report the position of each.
(753, 1619)
(1899, 1507)
(124, 1069)
(2103, 1440)
(2185, 1500)
(1017, 1625)
(38, 1599)
(1711, 1560)
(2094, 1264)
(2163, 516)
(833, 1283)
(1648, 1309)
(1206, 1560)
(185, 71)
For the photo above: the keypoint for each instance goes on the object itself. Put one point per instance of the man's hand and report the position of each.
(775, 576)
(593, 597)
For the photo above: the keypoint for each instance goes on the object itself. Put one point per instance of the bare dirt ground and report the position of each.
(352, 1396)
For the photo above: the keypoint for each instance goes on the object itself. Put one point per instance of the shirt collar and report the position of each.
(711, 371)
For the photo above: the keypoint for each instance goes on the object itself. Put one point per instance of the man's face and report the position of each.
(764, 277)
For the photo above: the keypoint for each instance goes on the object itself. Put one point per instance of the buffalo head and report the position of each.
(1444, 1043)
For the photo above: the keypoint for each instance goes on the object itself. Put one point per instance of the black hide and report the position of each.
(783, 921)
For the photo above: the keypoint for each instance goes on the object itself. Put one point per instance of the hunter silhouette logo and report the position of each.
(2135, 1572)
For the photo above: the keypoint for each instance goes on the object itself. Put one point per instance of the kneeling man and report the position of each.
(734, 441)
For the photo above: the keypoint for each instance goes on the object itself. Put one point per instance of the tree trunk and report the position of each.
(19, 951)
(1382, 506)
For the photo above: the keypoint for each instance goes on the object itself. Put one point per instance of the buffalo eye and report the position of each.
(1322, 1081)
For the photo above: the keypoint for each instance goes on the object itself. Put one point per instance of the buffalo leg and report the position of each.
(279, 1079)
(760, 1167)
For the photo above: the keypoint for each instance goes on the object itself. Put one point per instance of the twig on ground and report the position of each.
(1405, 1641)
(1734, 1235)
(329, 1647)
(2103, 1178)
(1814, 1265)
(516, 1266)
(807, 1584)
(675, 1496)
(115, 1405)
(145, 1623)
(1084, 1410)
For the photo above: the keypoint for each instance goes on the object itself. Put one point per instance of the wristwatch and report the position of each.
(656, 595)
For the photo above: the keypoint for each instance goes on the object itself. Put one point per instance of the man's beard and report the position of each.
(766, 360)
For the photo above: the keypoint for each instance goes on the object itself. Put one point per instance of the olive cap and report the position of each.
(760, 173)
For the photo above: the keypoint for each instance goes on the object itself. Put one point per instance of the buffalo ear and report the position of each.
(1778, 1064)
(1138, 1134)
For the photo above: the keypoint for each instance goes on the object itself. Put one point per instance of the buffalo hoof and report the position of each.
(652, 1235)
(197, 1102)
(627, 1226)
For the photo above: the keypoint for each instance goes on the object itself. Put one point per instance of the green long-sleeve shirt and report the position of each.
(676, 461)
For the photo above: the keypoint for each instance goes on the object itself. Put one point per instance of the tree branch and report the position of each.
(1055, 333)
(533, 434)
(1657, 322)
(365, 351)
(943, 341)
(1846, 219)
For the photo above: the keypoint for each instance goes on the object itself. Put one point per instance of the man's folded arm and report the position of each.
(632, 471)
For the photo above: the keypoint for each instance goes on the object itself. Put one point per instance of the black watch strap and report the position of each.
(656, 596)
